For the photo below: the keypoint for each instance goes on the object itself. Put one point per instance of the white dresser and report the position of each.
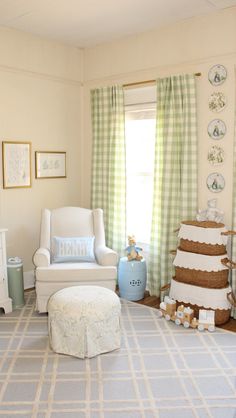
(5, 301)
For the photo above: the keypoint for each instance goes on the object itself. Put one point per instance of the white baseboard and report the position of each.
(29, 281)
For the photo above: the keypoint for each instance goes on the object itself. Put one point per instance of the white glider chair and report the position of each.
(72, 252)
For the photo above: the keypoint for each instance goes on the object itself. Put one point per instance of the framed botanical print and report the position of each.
(16, 164)
(50, 164)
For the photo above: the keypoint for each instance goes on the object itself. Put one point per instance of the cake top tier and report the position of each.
(208, 232)
(204, 224)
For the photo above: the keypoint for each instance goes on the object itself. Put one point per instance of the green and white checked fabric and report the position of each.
(108, 166)
(175, 172)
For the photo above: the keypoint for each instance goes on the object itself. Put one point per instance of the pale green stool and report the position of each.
(15, 282)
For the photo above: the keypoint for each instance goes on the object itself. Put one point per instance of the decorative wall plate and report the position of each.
(216, 129)
(217, 101)
(215, 182)
(216, 155)
(217, 75)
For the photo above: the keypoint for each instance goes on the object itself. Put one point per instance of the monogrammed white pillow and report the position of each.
(73, 249)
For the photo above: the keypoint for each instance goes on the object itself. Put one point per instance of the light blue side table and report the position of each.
(132, 278)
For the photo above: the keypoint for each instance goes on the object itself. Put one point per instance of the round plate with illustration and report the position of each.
(216, 129)
(215, 182)
(217, 75)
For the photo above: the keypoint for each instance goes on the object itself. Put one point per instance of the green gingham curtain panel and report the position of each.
(175, 173)
(108, 163)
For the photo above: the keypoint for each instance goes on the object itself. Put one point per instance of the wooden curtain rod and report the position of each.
(149, 81)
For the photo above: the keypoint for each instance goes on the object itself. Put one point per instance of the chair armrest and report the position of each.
(41, 257)
(105, 256)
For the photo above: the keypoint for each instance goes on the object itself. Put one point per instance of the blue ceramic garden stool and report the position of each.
(132, 277)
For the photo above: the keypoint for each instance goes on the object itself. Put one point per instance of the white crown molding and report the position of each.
(44, 76)
(161, 70)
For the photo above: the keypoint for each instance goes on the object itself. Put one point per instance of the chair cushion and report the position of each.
(76, 272)
(72, 249)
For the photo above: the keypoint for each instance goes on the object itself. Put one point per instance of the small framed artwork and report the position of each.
(50, 164)
(16, 164)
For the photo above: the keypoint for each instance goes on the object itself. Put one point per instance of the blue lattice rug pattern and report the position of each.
(161, 371)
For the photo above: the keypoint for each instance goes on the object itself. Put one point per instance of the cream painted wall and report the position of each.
(41, 102)
(190, 46)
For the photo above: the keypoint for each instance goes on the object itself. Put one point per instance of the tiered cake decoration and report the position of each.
(202, 265)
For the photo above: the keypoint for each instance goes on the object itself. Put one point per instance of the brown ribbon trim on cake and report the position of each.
(228, 263)
(231, 298)
(165, 287)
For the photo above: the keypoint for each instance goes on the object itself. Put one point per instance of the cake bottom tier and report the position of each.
(212, 279)
(202, 298)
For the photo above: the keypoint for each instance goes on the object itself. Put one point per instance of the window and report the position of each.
(140, 149)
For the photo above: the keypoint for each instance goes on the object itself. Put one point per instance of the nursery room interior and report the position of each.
(118, 209)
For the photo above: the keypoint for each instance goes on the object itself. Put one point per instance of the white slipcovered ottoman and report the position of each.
(84, 321)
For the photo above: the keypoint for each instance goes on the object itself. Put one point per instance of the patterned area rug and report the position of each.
(161, 371)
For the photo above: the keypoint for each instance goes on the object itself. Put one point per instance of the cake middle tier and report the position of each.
(201, 270)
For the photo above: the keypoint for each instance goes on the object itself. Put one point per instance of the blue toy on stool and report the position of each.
(133, 250)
